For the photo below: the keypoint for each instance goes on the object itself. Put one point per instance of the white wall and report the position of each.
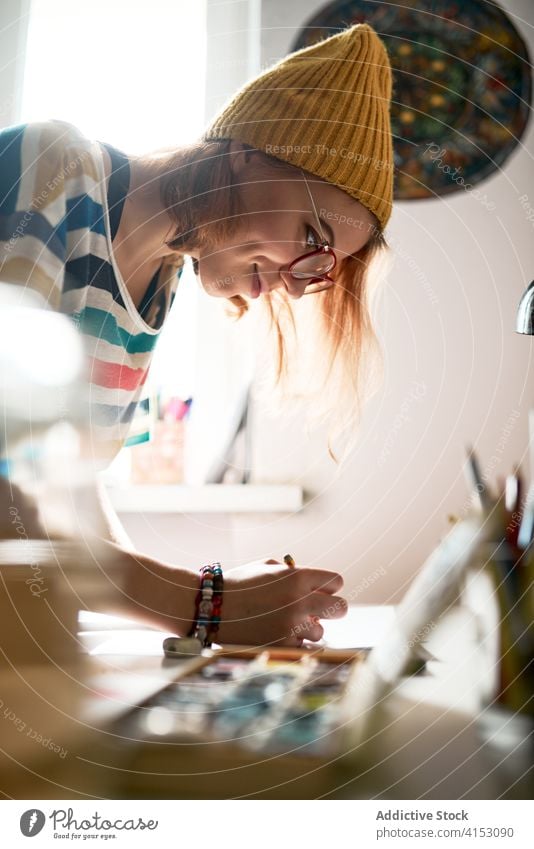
(455, 373)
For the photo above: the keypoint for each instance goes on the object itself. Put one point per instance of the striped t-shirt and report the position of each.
(57, 224)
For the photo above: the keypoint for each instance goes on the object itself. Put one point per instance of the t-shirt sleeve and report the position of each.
(35, 160)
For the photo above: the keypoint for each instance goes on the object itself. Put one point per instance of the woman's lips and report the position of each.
(259, 286)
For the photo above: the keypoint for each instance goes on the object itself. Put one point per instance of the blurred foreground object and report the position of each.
(47, 475)
(47, 491)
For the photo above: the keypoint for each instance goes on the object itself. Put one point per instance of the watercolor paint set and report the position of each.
(249, 718)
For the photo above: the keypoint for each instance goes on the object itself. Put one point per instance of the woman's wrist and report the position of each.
(157, 593)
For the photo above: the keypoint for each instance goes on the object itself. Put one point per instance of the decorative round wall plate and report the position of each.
(462, 86)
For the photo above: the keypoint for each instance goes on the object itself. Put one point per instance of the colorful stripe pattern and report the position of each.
(55, 237)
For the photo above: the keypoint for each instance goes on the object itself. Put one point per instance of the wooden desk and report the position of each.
(427, 743)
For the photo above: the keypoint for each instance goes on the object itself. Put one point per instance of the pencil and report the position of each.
(288, 560)
(475, 480)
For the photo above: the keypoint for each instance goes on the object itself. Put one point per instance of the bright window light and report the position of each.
(129, 73)
(132, 74)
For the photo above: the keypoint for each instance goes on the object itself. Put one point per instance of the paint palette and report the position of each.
(239, 722)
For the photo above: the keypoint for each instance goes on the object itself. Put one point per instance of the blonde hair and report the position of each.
(328, 361)
(197, 187)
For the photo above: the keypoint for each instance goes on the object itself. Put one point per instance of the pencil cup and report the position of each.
(511, 597)
(160, 461)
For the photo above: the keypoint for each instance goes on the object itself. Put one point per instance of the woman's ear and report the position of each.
(239, 156)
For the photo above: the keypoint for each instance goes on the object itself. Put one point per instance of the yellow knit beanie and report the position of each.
(325, 109)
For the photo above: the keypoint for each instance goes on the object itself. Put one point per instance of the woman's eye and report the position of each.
(312, 239)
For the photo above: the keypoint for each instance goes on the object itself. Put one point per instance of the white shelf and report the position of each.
(210, 498)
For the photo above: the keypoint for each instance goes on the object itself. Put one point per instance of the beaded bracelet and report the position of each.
(208, 605)
(218, 585)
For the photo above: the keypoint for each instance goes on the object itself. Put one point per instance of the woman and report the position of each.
(286, 194)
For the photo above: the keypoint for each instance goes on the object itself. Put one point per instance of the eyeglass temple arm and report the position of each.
(314, 207)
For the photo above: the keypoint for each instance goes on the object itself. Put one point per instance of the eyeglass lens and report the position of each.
(313, 266)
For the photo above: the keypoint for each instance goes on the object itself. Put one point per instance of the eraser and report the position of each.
(181, 646)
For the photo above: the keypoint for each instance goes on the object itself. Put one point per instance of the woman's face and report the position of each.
(278, 225)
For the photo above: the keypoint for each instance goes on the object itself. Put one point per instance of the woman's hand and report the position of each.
(264, 602)
(267, 602)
